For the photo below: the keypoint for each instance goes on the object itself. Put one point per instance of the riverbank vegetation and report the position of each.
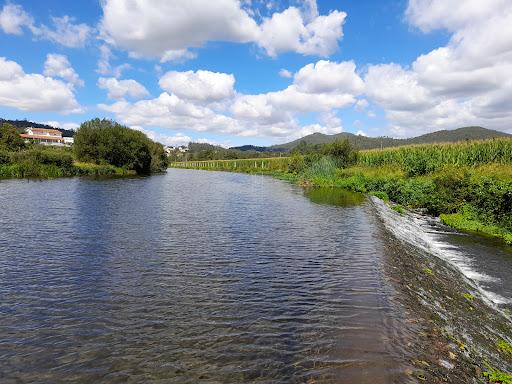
(467, 184)
(102, 148)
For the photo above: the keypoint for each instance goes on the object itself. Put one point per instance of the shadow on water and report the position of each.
(334, 196)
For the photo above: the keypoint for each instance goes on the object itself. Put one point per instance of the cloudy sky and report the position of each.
(259, 71)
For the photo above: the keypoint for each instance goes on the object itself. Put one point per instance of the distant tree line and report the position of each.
(204, 151)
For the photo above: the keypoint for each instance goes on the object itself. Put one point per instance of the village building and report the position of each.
(46, 136)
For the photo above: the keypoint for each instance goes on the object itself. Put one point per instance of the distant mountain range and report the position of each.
(22, 124)
(363, 142)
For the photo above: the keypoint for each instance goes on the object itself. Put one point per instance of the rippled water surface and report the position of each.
(192, 277)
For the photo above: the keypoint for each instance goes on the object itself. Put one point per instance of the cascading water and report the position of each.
(486, 264)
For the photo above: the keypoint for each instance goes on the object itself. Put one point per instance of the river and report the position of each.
(194, 277)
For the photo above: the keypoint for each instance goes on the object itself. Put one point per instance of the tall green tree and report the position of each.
(10, 140)
(105, 141)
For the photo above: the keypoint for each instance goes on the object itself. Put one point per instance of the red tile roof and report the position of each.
(25, 136)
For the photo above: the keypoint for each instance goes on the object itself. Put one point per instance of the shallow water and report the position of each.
(193, 277)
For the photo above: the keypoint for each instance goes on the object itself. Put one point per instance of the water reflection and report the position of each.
(334, 196)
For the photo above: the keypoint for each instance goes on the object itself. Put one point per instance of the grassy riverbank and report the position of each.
(47, 163)
(468, 184)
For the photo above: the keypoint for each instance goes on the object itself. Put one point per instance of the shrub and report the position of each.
(342, 152)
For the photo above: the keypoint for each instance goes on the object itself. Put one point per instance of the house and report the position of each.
(43, 136)
(68, 141)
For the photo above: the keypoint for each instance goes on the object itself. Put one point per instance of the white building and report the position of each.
(46, 136)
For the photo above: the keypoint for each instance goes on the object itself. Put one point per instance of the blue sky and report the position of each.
(258, 72)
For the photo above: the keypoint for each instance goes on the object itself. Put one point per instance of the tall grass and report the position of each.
(424, 159)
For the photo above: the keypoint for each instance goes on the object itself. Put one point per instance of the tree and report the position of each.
(105, 141)
(10, 140)
(342, 152)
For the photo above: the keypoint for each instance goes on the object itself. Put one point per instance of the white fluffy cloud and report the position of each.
(329, 77)
(13, 18)
(206, 101)
(34, 92)
(150, 29)
(168, 29)
(59, 66)
(64, 31)
(452, 15)
(201, 85)
(288, 31)
(117, 89)
(465, 82)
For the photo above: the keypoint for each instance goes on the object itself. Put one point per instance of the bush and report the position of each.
(41, 155)
(5, 157)
(342, 152)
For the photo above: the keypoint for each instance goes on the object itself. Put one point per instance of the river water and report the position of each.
(194, 277)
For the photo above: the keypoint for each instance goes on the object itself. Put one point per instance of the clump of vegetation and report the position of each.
(342, 152)
(504, 347)
(469, 297)
(107, 142)
(495, 376)
(380, 194)
(428, 271)
(398, 208)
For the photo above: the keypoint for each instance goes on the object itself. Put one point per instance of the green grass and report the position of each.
(496, 376)
(467, 220)
(504, 347)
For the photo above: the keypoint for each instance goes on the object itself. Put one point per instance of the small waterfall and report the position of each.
(426, 234)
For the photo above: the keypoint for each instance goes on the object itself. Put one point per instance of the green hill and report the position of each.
(363, 142)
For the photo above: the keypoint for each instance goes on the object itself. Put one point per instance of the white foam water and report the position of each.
(420, 231)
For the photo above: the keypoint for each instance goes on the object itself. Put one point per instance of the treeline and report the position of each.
(204, 151)
(102, 147)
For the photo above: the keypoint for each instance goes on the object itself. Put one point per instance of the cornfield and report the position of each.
(239, 165)
(422, 159)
